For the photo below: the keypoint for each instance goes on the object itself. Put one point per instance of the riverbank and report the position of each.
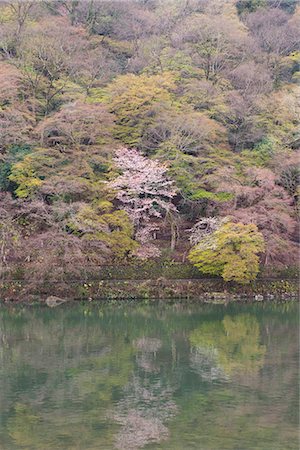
(205, 290)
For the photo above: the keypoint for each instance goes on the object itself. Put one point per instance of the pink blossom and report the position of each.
(146, 194)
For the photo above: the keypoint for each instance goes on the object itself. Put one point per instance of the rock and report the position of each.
(219, 295)
(53, 301)
(259, 298)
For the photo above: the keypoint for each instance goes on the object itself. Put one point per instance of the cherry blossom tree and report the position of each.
(145, 193)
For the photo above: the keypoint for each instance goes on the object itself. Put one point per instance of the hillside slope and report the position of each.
(133, 130)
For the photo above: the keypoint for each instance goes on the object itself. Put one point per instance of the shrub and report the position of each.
(230, 251)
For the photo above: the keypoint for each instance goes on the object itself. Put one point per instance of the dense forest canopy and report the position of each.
(133, 130)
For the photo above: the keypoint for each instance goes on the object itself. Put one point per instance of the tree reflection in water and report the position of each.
(159, 377)
(147, 402)
(224, 348)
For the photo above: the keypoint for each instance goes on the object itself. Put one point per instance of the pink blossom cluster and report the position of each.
(146, 194)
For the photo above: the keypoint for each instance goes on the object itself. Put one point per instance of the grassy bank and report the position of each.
(205, 289)
(159, 280)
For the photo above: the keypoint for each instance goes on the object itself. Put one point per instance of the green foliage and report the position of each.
(132, 98)
(231, 251)
(15, 154)
(23, 425)
(218, 110)
(218, 197)
(235, 341)
(68, 177)
(261, 153)
(122, 49)
(248, 6)
(147, 270)
(98, 222)
(112, 366)
(24, 176)
(194, 175)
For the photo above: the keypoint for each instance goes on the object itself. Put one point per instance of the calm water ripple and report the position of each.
(158, 377)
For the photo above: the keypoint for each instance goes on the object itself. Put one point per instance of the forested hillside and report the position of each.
(148, 130)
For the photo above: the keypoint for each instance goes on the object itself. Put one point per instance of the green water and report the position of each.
(177, 377)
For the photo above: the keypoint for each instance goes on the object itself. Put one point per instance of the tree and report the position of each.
(133, 100)
(231, 251)
(214, 42)
(181, 130)
(243, 121)
(201, 92)
(14, 154)
(21, 11)
(76, 125)
(47, 57)
(273, 31)
(205, 96)
(15, 16)
(137, 23)
(24, 176)
(277, 116)
(68, 7)
(144, 191)
(251, 79)
(10, 84)
(16, 125)
(277, 36)
(99, 223)
(9, 235)
(248, 6)
(258, 199)
(289, 172)
(97, 68)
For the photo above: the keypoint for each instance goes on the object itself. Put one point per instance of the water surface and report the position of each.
(172, 377)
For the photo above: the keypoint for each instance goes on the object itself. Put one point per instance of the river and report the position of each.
(149, 376)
